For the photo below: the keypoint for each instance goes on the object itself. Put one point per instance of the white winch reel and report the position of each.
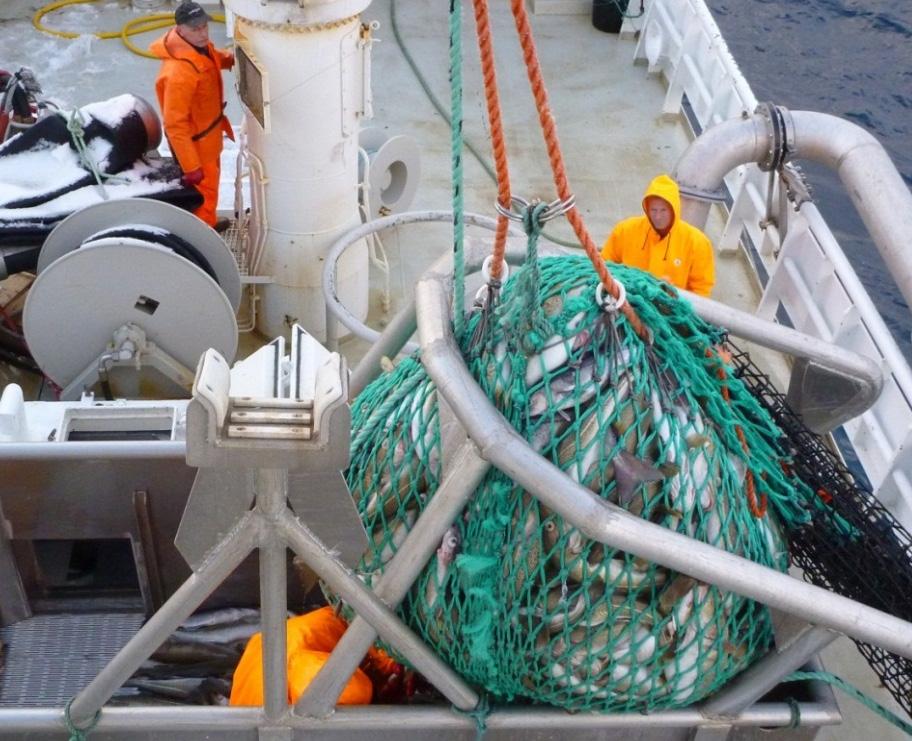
(104, 301)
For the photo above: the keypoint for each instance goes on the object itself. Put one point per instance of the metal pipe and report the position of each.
(224, 559)
(609, 524)
(390, 343)
(784, 339)
(760, 678)
(379, 720)
(711, 156)
(352, 591)
(463, 474)
(839, 364)
(335, 309)
(870, 178)
(271, 497)
(108, 450)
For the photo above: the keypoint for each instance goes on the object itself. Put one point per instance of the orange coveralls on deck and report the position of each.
(190, 95)
(309, 640)
(683, 256)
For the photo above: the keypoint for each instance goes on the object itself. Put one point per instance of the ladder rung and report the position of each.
(267, 403)
(270, 432)
(270, 416)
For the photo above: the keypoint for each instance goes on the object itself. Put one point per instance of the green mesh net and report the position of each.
(516, 600)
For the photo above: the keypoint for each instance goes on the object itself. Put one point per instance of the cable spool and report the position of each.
(147, 264)
(393, 171)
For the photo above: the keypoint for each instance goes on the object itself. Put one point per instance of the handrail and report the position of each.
(681, 41)
(336, 311)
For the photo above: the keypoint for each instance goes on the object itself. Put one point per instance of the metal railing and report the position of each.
(802, 268)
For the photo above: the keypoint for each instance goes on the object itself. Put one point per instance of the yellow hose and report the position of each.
(130, 28)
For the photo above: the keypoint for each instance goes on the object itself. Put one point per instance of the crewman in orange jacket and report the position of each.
(661, 243)
(190, 94)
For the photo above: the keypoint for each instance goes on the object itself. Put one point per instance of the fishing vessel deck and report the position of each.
(613, 132)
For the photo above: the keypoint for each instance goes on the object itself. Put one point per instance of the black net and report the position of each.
(853, 546)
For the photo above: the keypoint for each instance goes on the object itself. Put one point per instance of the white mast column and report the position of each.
(314, 59)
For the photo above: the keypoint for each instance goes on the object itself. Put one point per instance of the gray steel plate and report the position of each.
(76, 304)
(70, 233)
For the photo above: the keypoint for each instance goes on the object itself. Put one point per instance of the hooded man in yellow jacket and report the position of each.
(661, 243)
(190, 95)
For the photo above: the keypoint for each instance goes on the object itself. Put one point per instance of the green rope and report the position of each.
(438, 106)
(456, 144)
(525, 311)
(871, 704)
(74, 127)
(479, 714)
(76, 733)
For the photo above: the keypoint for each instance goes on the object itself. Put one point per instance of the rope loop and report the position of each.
(486, 272)
(608, 303)
(77, 733)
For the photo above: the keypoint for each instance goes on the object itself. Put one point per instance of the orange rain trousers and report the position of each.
(310, 638)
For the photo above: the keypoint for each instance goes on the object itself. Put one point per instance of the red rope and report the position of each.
(757, 509)
(498, 141)
(552, 144)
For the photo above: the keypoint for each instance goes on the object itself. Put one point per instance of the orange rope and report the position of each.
(757, 509)
(498, 141)
(549, 129)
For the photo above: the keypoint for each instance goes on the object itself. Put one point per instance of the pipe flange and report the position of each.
(780, 134)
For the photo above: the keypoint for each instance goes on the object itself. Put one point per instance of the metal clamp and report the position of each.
(554, 209)
(609, 303)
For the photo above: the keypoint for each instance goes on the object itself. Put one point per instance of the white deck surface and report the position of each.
(608, 115)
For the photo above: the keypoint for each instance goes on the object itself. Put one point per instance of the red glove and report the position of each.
(194, 177)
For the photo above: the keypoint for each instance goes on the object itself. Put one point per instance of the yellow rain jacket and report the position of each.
(309, 640)
(683, 257)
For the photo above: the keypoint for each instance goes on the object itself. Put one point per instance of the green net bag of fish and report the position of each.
(516, 600)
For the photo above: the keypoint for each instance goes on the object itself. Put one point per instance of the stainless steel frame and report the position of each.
(490, 440)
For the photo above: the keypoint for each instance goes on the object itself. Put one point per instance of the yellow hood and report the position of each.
(667, 189)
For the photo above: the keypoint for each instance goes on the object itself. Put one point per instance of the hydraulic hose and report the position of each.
(133, 27)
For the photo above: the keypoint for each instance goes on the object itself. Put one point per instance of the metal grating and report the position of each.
(49, 658)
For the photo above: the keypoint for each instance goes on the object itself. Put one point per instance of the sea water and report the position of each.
(850, 58)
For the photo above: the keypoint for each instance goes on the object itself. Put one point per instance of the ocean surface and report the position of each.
(851, 58)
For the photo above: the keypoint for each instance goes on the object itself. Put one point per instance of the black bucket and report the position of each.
(608, 15)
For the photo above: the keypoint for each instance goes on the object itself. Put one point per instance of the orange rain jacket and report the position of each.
(190, 95)
(309, 640)
(683, 257)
